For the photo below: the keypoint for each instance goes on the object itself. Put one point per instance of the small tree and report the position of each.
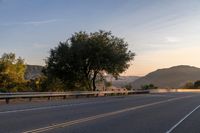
(189, 85)
(12, 71)
(128, 86)
(197, 84)
(108, 83)
(84, 57)
(148, 86)
(54, 84)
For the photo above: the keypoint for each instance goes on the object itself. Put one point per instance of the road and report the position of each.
(145, 113)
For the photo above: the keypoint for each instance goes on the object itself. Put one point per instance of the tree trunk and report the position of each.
(88, 81)
(93, 81)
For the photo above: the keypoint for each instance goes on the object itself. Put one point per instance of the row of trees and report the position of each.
(76, 64)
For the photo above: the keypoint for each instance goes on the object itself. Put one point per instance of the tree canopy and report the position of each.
(12, 71)
(197, 84)
(148, 86)
(192, 85)
(85, 57)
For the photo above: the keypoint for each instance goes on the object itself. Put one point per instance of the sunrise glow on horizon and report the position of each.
(161, 33)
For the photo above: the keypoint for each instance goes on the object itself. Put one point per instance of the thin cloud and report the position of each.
(41, 45)
(35, 23)
(40, 22)
(172, 39)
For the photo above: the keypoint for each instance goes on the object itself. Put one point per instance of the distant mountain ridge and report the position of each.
(173, 77)
(33, 71)
(123, 80)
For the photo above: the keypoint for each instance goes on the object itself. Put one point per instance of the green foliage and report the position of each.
(108, 84)
(84, 57)
(22, 87)
(3, 90)
(36, 84)
(148, 86)
(54, 84)
(189, 85)
(128, 86)
(192, 85)
(197, 84)
(11, 72)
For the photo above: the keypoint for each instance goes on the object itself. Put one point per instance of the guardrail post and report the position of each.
(8, 96)
(7, 100)
(49, 98)
(64, 97)
(30, 99)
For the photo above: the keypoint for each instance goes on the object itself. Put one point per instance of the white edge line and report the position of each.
(172, 128)
(55, 106)
(48, 107)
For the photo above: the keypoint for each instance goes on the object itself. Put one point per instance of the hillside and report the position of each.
(33, 71)
(122, 80)
(173, 77)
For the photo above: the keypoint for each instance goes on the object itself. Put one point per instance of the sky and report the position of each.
(162, 33)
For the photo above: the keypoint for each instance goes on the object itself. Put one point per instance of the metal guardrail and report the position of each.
(64, 95)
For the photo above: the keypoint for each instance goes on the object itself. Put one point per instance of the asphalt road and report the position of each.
(146, 113)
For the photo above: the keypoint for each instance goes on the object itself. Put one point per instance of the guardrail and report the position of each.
(30, 95)
(174, 90)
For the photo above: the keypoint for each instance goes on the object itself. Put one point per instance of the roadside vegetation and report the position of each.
(77, 64)
(192, 85)
(128, 86)
(12, 71)
(148, 86)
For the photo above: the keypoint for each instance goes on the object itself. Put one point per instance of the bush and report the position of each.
(108, 84)
(197, 84)
(189, 85)
(3, 90)
(52, 85)
(192, 85)
(21, 88)
(128, 86)
(148, 86)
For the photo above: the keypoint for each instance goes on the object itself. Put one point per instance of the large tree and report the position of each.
(86, 56)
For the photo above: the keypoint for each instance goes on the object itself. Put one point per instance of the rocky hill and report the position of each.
(122, 80)
(33, 71)
(174, 77)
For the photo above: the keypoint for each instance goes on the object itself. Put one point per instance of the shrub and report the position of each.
(128, 86)
(148, 86)
(189, 85)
